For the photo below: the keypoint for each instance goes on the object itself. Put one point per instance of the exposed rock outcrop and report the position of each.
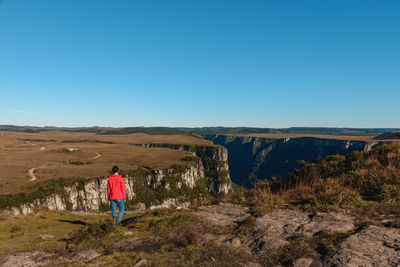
(268, 241)
(42, 258)
(214, 160)
(273, 230)
(224, 215)
(373, 246)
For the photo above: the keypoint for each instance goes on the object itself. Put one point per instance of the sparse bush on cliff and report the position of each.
(363, 181)
(352, 181)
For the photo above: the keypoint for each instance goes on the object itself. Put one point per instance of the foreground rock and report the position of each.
(42, 258)
(273, 230)
(87, 255)
(135, 244)
(27, 259)
(263, 237)
(373, 246)
(224, 215)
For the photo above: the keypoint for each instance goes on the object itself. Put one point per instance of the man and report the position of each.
(116, 194)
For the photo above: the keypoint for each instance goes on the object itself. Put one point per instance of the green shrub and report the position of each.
(91, 232)
(79, 162)
(329, 241)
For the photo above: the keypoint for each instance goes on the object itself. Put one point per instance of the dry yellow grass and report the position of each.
(20, 152)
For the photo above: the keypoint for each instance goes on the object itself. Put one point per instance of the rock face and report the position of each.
(215, 164)
(264, 158)
(373, 246)
(207, 172)
(171, 202)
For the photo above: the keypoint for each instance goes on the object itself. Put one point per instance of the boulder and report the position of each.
(372, 246)
(272, 230)
(141, 263)
(302, 262)
(87, 255)
(47, 237)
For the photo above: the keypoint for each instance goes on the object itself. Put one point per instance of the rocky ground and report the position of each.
(287, 237)
(371, 245)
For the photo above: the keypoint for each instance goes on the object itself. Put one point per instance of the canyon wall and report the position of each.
(252, 158)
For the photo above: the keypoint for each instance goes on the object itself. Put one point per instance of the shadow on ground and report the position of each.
(73, 222)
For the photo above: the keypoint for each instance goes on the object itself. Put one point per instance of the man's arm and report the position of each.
(108, 190)
(123, 188)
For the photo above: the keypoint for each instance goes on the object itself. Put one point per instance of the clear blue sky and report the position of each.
(278, 63)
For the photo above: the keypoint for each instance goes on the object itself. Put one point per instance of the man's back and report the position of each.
(116, 187)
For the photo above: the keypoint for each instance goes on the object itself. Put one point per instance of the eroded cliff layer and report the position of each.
(252, 158)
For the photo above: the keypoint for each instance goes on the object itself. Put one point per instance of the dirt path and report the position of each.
(106, 213)
(32, 144)
(32, 170)
(98, 155)
(32, 175)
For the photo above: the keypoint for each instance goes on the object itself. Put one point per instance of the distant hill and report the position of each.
(147, 130)
(203, 130)
(95, 130)
(339, 131)
(387, 136)
(232, 130)
(35, 129)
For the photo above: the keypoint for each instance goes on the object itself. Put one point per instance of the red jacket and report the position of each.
(116, 187)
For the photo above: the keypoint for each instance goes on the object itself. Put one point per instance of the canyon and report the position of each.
(202, 168)
(253, 158)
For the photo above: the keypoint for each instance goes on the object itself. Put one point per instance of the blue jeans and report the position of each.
(114, 203)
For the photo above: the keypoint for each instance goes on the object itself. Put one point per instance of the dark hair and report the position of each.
(115, 169)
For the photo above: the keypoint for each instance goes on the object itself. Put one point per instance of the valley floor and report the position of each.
(216, 235)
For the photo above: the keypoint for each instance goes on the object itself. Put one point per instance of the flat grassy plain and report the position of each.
(28, 158)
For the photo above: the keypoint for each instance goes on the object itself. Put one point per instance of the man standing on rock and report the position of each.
(116, 194)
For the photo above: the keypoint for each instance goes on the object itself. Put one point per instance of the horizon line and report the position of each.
(192, 127)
